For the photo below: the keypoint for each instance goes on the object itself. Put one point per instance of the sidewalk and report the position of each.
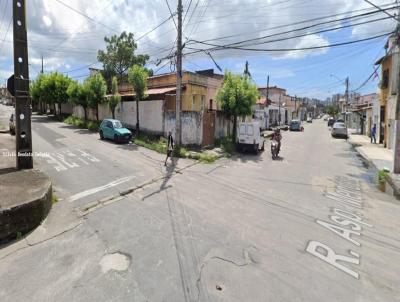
(376, 157)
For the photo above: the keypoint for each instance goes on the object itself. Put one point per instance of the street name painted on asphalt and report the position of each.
(348, 193)
(64, 160)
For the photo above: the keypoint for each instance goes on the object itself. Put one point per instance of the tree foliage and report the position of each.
(115, 98)
(50, 88)
(332, 110)
(120, 55)
(96, 88)
(138, 76)
(236, 97)
(78, 95)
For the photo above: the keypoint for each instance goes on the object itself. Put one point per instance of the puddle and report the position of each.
(116, 261)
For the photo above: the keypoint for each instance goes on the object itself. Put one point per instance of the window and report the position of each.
(109, 124)
(250, 130)
(117, 125)
(242, 130)
(203, 100)
(193, 102)
(385, 79)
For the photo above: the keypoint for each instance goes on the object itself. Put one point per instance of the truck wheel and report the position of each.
(256, 149)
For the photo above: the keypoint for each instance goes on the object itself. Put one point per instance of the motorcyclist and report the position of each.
(277, 136)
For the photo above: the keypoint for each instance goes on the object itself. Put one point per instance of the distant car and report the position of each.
(326, 117)
(340, 120)
(11, 124)
(295, 125)
(331, 121)
(113, 129)
(309, 120)
(339, 130)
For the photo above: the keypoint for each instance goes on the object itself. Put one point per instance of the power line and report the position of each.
(367, 80)
(301, 35)
(312, 20)
(5, 36)
(382, 10)
(4, 14)
(184, 18)
(222, 47)
(172, 15)
(300, 29)
(86, 16)
(150, 31)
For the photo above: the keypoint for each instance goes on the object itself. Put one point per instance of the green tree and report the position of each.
(138, 76)
(53, 89)
(36, 91)
(236, 97)
(332, 110)
(78, 95)
(115, 98)
(96, 88)
(119, 56)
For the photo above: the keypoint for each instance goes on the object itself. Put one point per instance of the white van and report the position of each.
(249, 137)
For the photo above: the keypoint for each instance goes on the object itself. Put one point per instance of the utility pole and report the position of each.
(23, 134)
(42, 65)
(396, 164)
(346, 100)
(279, 112)
(295, 105)
(267, 89)
(178, 130)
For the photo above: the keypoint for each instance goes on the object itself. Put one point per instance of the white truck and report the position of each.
(249, 137)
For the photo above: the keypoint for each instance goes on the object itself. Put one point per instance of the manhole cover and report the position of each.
(115, 261)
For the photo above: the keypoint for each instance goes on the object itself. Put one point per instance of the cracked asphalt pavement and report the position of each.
(311, 226)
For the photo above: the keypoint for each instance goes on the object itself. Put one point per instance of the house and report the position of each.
(388, 93)
(362, 113)
(199, 109)
(274, 108)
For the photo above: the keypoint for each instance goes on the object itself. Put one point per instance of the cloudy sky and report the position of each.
(68, 34)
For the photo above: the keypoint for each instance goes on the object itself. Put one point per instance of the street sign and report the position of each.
(10, 85)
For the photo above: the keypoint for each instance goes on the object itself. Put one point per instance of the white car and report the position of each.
(249, 137)
(339, 130)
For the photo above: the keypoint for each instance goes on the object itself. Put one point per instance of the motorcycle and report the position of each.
(274, 149)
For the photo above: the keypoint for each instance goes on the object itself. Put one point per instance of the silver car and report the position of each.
(339, 130)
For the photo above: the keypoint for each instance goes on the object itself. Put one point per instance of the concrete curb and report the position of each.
(370, 164)
(25, 215)
(97, 204)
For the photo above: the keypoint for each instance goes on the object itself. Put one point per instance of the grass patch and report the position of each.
(151, 142)
(80, 123)
(382, 175)
(225, 143)
(54, 199)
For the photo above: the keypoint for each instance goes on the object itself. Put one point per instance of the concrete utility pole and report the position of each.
(42, 65)
(346, 100)
(279, 112)
(396, 164)
(295, 105)
(23, 134)
(267, 89)
(178, 130)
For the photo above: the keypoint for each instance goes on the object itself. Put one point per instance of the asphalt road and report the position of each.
(311, 226)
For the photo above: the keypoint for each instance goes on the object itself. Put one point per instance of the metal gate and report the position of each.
(208, 128)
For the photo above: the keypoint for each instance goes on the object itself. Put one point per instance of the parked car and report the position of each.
(113, 129)
(326, 117)
(339, 130)
(331, 121)
(249, 137)
(11, 124)
(309, 120)
(340, 120)
(295, 125)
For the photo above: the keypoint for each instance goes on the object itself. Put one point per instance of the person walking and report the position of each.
(373, 134)
(170, 147)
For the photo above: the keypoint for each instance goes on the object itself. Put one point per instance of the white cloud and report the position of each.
(47, 21)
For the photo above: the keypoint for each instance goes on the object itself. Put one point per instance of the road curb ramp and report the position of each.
(25, 200)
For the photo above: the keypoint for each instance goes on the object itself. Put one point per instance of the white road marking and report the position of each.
(57, 165)
(98, 189)
(88, 156)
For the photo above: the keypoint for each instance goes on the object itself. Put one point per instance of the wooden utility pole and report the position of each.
(23, 134)
(396, 164)
(346, 100)
(178, 124)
